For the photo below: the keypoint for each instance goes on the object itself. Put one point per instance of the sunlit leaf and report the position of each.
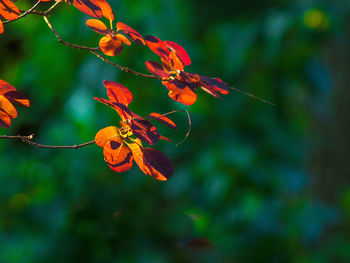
(145, 131)
(98, 26)
(111, 45)
(157, 164)
(7, 107)
(181, 91)
(156, 69)
(106, 9)
(118, 156)
(131, 33)
(163, 119)
(157, 46)
(118, 93)
(5, 119)
(215, 84)
(89, 7)
(180, 52)
(107, 134)
(8, 10)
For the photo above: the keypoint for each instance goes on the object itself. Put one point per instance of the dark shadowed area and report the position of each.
(252, 182)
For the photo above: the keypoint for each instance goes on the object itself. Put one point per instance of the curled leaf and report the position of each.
(111, 45)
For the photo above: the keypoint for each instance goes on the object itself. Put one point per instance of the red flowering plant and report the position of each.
(182, 85)
(123, 145)
(112, 42)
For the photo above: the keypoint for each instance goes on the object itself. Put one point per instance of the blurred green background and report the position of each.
(252, 183)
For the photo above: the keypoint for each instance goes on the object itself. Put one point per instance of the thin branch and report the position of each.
(189, 129)
(94, 50)
(24, 14)
(28, 140)
(66, 43)
(252, 96)
(125, 69)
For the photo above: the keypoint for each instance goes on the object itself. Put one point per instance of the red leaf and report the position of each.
(145, 131)
(9, 94)
(131, 33)
(7, 107)
(118, 156)
(106, 9)
(8, 10)
(152, 162)
(89, 7)
(5, 120)
(215, 84)
(122, 110)
(98, 26)
(111, 45)
(181, 91)
(180, 52)
(163, 119)
(157, 46)
(156, 69)
(157, 164)
(118, 93)
(1, 27)
(107, 134)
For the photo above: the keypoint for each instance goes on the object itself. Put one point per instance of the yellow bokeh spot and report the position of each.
(315, 18)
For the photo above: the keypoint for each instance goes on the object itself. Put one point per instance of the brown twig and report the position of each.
(94, 51)
(28, 139)
(64, 42)
(24, 14)
(252, 96)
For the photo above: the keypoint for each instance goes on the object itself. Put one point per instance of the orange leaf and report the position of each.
(145, 131)
(181, 91)
(118, 93)
(180, 52)
(98, 26)
(111, 45)
(5, 120)
(131, 33)
(89, 7)
(156, 69)
(163, 119)
(157, 164)
(122, 110)
(107, 134)
(152, 162)
(6, 106)
(8, 10)
(157, 46)
(1, 27)
(118, 156)
(9, 94)
(106, 9)
(214, 84)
